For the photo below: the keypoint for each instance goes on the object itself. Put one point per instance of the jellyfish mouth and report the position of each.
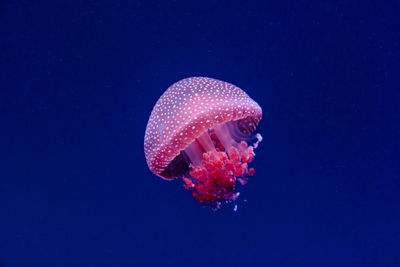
(217, 159)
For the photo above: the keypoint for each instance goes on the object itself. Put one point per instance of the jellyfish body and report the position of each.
(199, 130)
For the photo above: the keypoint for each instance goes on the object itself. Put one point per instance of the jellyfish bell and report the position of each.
(202, 129)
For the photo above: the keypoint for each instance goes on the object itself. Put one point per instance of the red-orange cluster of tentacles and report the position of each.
(215, 179)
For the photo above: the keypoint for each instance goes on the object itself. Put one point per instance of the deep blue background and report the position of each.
(78, 82)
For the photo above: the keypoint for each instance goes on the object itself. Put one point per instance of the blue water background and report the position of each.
(78, 80)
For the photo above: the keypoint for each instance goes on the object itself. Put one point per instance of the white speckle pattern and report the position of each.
(187, 109)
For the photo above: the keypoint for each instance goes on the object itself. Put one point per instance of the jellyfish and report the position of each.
(202, 130)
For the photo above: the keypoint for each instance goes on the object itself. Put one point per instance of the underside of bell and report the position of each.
(239, 130)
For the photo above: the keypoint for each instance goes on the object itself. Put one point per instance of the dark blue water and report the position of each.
(78, 82)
